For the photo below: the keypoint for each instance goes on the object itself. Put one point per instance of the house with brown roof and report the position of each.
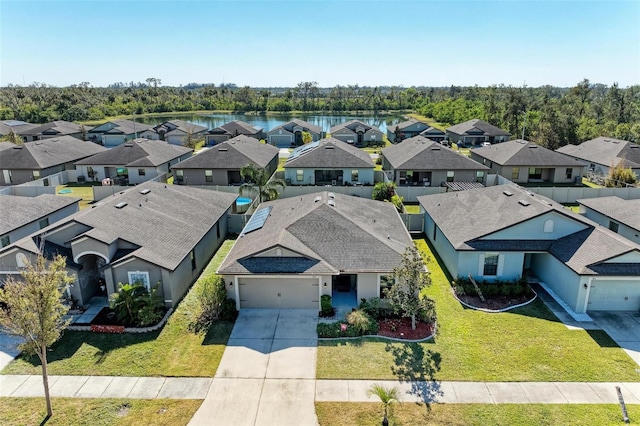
(600, 154)
(221, 164)
(475, 132)
(329, 162)
(179, 132)
(133, 162)
(356, 132)
(39, 159)
(419, 161)
(522, 161)
(289, 134)
(116, 132)
(231, 130)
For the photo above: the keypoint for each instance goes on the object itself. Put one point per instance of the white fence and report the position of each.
(569, 195)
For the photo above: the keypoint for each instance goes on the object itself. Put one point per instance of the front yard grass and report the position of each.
(76, 411)
(526, 344)
(171, 351)
(366, 413)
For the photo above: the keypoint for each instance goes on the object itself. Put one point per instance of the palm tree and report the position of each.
(387, 397)
(259, 180)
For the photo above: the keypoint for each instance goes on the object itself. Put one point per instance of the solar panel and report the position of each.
(257, 220)
(302, 149)
(12, 123)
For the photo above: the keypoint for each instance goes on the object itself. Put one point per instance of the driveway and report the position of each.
(624, 328)
(8, 348)
(267, 372)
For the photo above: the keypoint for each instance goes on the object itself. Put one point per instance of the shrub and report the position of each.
(379, 160)
(212, 305)
(326, 309)
(427, 312)
(362, 322)
(228, 311)
(135, 306)
(376, 307)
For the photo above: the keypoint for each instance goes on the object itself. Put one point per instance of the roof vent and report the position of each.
(120, 205)
(614, 141)
(128, 145)
(524, 203)
(223, 149)
(634, 146)
(328, 146)
(318, 198)
(145, 191)
(331, 203)
(332, 195)
(54, 140)
(18, 146)
(533, 146)
(507, 193)
(435, 148)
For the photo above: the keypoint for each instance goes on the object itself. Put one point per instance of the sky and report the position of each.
(282, 43)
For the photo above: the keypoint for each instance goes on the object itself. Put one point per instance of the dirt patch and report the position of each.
(123, 410)
(496, 303)
(400, 328)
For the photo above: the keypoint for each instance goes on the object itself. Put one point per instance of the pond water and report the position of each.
(271, 120)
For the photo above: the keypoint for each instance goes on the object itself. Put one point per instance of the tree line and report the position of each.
(550, 116)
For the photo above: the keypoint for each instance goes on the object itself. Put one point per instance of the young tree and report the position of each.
(410, 278)
(35, 309)
(259, 180)
(386, 395)
(306, 138)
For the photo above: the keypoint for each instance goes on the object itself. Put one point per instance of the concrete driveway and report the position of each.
(267, 372)
(624, 329)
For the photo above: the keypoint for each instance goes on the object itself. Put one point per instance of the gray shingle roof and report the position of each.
(18, 211)
(488, 129)
(297, 122)
(403, 125)
(124, 127)
(353, 125)
(626, 212)
(232, 154)
(524, 153)
(420, 153)
(236, 127)
(46, 153)
(605, 151)
(165, 224)
(179, 125)
(355, 235)
(330, 153)
(58, 127)
(137, 153)
(17, 126)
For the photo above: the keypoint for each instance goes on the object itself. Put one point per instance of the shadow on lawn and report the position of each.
(414, 365)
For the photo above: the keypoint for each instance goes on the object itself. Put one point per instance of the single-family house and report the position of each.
(294, 250)
(522, 161)
(39, 159)
(221, 164)
(55, 129)
(231, 130)
(15, 126)
(290, 134)
(178, 132)
(407, 129)
(22, 216)
(620, 216)
(507, 233)
(357, 133)
(329, 162)
(155, 234)
(117, 132)
(600, 154)
(133, 162)
(475, 132)
(419, 161)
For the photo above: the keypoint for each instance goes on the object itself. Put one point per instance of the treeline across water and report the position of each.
(550, 116)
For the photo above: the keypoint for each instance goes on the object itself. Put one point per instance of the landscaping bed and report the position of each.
(499, 296)
(400, 328)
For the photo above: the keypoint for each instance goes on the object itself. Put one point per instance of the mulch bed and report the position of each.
(400, 328)
(495, 303)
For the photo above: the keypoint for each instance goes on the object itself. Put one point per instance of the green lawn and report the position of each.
(526, 344)
(412, 208)
(79, 190)
(80, 412)
(430, 121)
(585, 182)
(573, 207)
(370, 414)
(172, 351)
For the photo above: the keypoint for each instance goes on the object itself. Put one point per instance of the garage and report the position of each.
(614, 295)
(279, 293)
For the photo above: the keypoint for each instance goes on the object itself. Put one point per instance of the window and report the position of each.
(569, 173)
(44, 223)
(35, 174)
(299, 175)
(5, 240)
(613, 226)
(208, 175)
(354, 175)
(548, 226)
(480, 177)
(535, 173)
(139, 277)
(192, 256)
(435, 231)
(142, 172)
(7, 176)
(515, 173)
(217, 230)
(490, 264)
(122, 172)
(386, 281)
(450, 175)
(179, 175)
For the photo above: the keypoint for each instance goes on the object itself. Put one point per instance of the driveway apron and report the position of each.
(267, 372)
(624, 328)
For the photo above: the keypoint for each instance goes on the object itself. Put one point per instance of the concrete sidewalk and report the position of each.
(325, 390)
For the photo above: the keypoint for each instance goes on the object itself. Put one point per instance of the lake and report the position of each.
(271, 120)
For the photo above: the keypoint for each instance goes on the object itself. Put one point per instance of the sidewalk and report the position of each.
(328, 390)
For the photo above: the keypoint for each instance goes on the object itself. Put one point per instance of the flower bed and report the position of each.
(499, 296)
(96, 328)
(393, 328)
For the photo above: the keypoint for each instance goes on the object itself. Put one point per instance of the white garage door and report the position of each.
(614, 295)
(279, 293)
